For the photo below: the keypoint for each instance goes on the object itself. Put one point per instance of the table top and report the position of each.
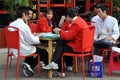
(49, 38)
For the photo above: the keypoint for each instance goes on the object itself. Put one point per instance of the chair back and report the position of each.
(12, 37)
(87, 38)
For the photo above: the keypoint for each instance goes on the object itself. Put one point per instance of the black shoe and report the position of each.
(27, 71)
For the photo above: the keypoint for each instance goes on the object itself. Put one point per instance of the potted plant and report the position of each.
(12, 5)
(116, 3)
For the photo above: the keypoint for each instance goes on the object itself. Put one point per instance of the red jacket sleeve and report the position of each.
(65, 25)
(71, 33)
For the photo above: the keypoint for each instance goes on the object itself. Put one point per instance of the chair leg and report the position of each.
(103, 55)
(17, 68)
(6, 70)
(38, 66)
(83, 73)
(62, 58)
(110, 65)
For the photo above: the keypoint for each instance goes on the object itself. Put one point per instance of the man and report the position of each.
(107, 31)
(92, 13)
(26, 41)
(71, 39)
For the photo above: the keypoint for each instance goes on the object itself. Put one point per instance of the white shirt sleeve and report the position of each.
(96, 33)
(115, 31)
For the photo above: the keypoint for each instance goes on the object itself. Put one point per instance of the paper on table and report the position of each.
(116, 49)
(49, 35)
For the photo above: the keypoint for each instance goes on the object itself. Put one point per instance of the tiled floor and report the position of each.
(43, 75)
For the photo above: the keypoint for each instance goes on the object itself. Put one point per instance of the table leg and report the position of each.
(76, 65)
(50, 54)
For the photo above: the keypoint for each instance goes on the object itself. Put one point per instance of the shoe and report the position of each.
(27, 70)
(69, 68)
(58, 74)
(42, 63)
(50, 66)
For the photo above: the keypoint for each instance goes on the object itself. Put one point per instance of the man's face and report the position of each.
(25, 17)
(50, 15)
(30, 15)
(101, 13)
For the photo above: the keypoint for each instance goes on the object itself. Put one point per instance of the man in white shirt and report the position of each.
(107, 31)
(26, 41)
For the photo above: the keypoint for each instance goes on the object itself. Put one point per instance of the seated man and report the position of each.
(71, 39)
(26, 41)
(107, 31)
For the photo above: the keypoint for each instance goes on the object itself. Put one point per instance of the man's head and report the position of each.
(22, 12)
(94, 7)
(49, 14)
(71, 13)
(102, 10)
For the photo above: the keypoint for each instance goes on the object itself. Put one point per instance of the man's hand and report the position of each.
(56, 30)
(109, 38)
(63, 18)
(36, 34)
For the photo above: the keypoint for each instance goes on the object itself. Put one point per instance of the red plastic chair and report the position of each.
(112, 64)
(104, 51)
(13, 41)
(34, 26)
(86, 50)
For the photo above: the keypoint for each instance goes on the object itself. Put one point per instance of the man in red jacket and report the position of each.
(71, 39)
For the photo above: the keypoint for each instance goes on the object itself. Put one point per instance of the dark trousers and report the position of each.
(104, 44)
(33, 61)
(62, 47)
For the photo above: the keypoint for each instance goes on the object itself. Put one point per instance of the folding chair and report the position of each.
(13, 41)
(86, 48)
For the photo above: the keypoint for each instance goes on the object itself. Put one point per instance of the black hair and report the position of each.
(48, 10)
(22, 10)
(72, 12)
(103, 8)
(93, 6)
(29, 8)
